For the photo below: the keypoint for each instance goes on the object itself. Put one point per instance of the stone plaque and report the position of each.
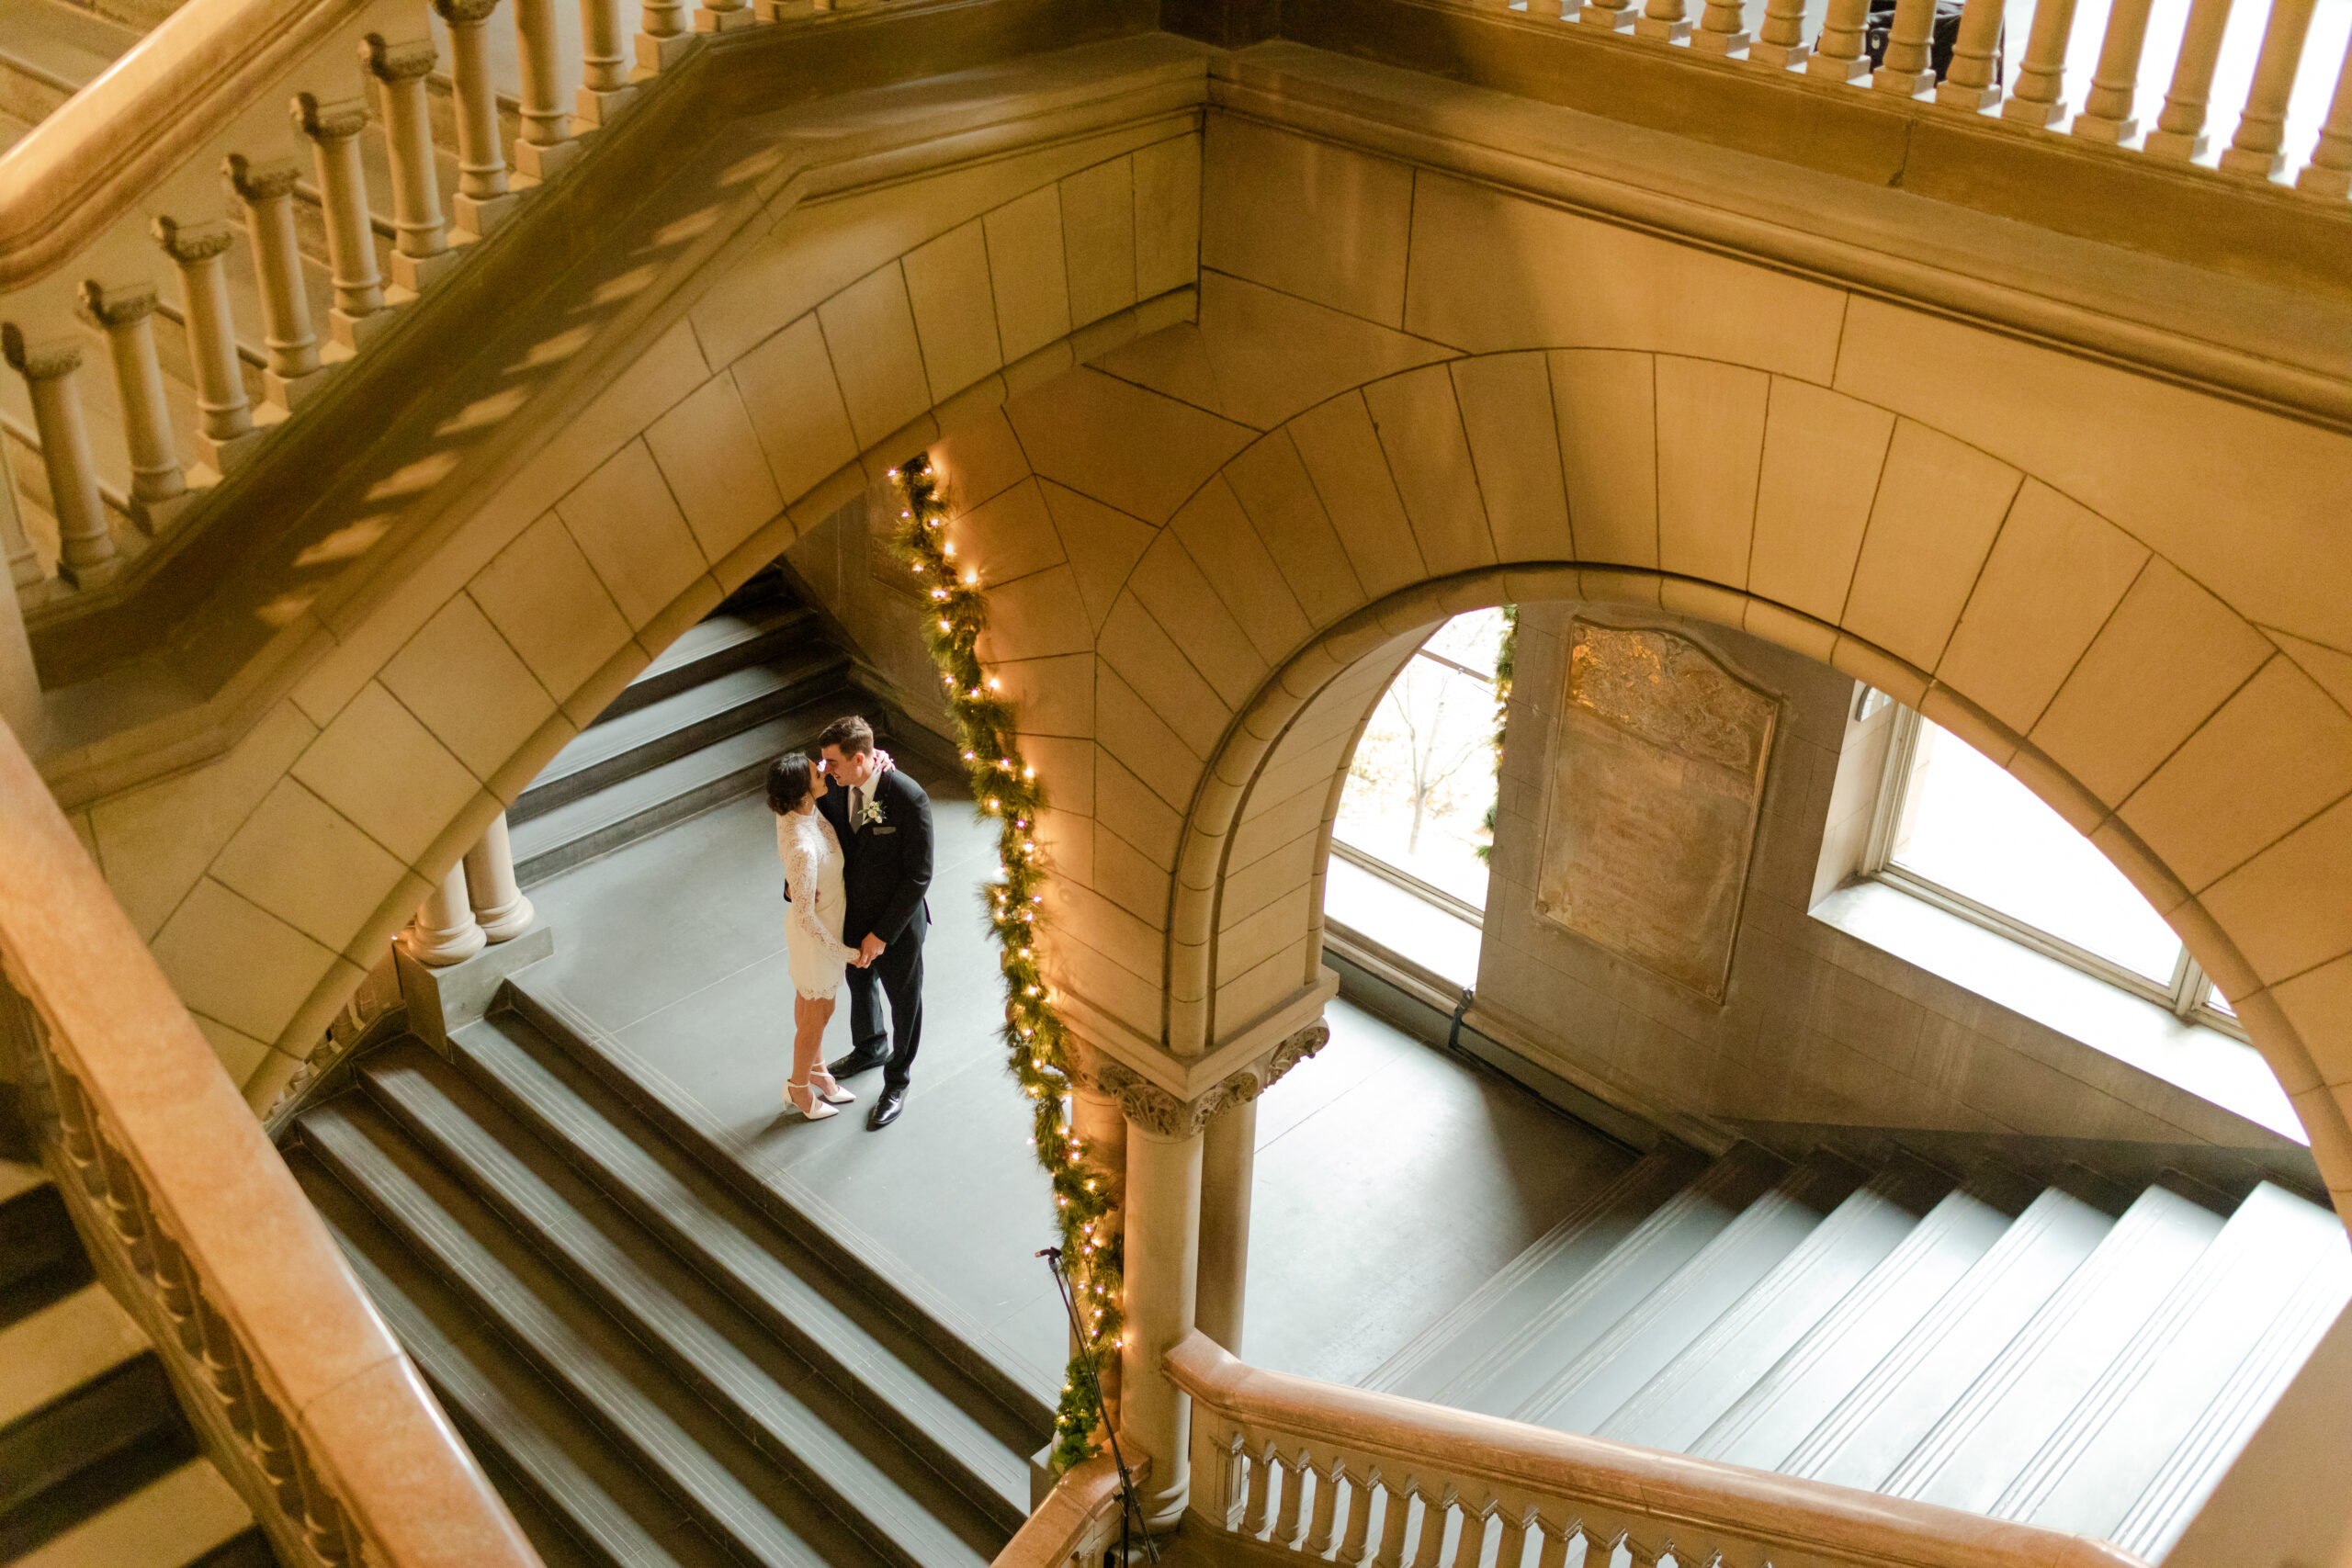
(1658, 772)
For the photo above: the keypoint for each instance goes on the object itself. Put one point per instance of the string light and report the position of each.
(1039, 1049)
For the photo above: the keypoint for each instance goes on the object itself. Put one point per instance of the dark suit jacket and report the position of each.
(888, 864)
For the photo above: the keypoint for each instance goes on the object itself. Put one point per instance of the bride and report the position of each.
(812, 932)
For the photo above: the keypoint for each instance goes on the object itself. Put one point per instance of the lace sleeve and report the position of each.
(802, 866)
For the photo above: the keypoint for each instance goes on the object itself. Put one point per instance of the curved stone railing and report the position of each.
(1303, 1466)
(296, 1386)
(1077, 1523)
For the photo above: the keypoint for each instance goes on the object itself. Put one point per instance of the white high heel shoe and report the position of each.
(829, 1089)
(817, 1110)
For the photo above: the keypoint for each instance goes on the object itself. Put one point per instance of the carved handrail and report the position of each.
(304, 1399)
(1303, 1465)
(1076, 1524)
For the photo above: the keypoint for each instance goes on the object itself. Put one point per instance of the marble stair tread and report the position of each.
(1561, 1330)
(174, 1520)
(1739, 1347)
(2018, 1403)
(725, 1483)
(711, 710)
(1437, 1358)
(577, 1484)
(1030, 1390)
(1861, 1441)
(54, 1350)
(1582, 1395)
(782, 1401)
(712, 646)
(1773, 1416)
(2153, 1394)
(954, 1423)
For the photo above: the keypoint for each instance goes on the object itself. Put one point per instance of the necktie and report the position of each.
(857, 807)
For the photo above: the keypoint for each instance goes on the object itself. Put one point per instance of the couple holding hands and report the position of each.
(854, 835)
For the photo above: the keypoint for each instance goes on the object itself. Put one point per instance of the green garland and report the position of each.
(1037, 1042)
(1506, 654)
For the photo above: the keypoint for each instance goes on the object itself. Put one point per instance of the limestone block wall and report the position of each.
(1817, 1027)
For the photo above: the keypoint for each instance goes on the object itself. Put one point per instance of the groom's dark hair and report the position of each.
(850, 733)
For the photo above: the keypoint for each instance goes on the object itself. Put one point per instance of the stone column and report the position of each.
(294, 372)
(333, 130)
(546, 146)
(2114, 82)
(422, 253)
(1101, 1129)
(2180, 129)
(24, 567)
(483, 199)
(1969, 83)
(85, 545)
(1909, 67)
(158, 488)
(1228, 1159)
(227, 437)
(1841, 55)
(498, 903)
(1163, 1214)
(443, 931)
(1780, 42)
(2257, 149)
(2038, 97)
(605, 86)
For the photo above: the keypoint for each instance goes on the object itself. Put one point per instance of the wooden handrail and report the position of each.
(1546, 1482)
(308, 1403)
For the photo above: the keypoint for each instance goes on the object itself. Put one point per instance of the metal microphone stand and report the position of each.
(1131, 1522)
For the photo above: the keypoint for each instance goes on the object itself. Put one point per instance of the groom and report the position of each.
(883, 820)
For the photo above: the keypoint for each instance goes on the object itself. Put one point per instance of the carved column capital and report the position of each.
(331, 121)
(120, 307)
(465, 13)
(39, 361)
(256, 183)
(1155, 1110)
(396, 62)
(190, 243)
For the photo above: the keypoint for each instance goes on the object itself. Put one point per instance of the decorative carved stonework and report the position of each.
(39, 361)
(328, 122)
(1155, 1110)
(1649, 819)
(257, 183)
(191, 244)
(465, 13)
(112, 307)
(396, 62)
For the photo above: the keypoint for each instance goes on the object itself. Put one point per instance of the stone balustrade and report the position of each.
(1077, 1523)
(296, 1387)
(1304, 1467)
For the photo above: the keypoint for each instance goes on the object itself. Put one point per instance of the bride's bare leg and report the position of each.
(808, 1018)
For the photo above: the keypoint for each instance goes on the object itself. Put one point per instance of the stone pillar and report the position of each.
(1908, 70)
(482, 200)
(158, 488)
(1969, 83)
(294, 372)
(498, 903)
(547, 145)
(226, 436)
(2114, 82)
(1228, 1159)
(443, 931)
(421, 252)
(1842, 55)
(2039, 96)
(85, 545)
(2180, 129)
(662, 34)
(1780, 42)
(605, 86)
(333, 130)
(2258, 148)
(1163, 1215)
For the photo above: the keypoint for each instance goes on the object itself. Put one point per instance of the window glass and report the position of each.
(1968, 826)
(2218, 1002)
(1423, 778)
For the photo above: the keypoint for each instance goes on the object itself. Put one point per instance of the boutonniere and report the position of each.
(869, 814)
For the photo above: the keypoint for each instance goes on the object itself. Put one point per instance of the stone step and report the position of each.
(575, 1493)
(1433, 1365)
(183, 1516)
(2119, 1435)
(713, 647)
(1582, 1396)
(1562, 1330)
(958, 1425)
(2022, 1399)
(1739, 1347)
(726, 1484)
(1772, 1417)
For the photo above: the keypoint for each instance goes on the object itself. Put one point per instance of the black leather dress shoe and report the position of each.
(856, 1062)
(886, 1110)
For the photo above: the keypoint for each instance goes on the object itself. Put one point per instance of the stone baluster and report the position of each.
(1395, 1508)
(1229, 1155)
(443, 931)
(1719, 30)
(2108, 108)
(2258, 150)
(482, 200)
(1617, 16)
(1909, 66)
(604, 88)
(2180, 129)
(88, 558)
(546, 144)
(293, 372)
(1842, 54)
(1780, 42)
(2041, 95)
(726, 16)
(421, 252)
(1969, 83)
(333, 130)
(1323, 1530)
(158, 488)
(1163, 1239)
(226, 436)
(1543, 10)
(498, 906)
(1662, 21)
(1257, 1512)
(2329, 173)
(662, 34)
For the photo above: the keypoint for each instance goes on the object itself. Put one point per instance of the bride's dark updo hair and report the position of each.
(791, 780)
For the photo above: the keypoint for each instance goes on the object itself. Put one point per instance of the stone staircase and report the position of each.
(98, 1467)
(2078, 1355)
(660, 1361)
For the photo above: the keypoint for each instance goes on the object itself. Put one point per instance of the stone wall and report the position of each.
(844, 564)
(1814, 1027)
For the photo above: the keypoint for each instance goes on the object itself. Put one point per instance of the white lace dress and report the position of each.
(812, 929)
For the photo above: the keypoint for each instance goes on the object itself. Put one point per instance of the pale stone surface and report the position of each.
(1120, 445)
(468, 687)
(1098, 207)
(1217, 536)
(1168, 214)
(1027, 272)
(1104, 544)
(796, 407)
(1007, 536)
(278, 858)
(380, 767)
(1271, 483)
(1140, 651)
(1420, 432)
(543, 597)
(1607, 408)
(1171, 585)
(979, 458)
(1938, 505)
(1343, 458)
(2280, 907)
(947, 286)
(870, 336)
(1506, 400)
(717, 473)
(1030, 619)
(234, 961)
(1822, 456)
(629, 525)
(1710, 447)
(1140, 737)
(1323, 223)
